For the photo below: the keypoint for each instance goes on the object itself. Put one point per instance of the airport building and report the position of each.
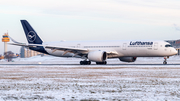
(25, 53)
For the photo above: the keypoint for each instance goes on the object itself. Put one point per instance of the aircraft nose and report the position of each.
(174, 51)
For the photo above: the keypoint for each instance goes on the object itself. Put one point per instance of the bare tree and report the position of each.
(8, 55)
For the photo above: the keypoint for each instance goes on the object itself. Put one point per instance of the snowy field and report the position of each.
(89, 82)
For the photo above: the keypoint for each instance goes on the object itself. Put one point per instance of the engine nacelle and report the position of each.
(128, 59)
(97, 56)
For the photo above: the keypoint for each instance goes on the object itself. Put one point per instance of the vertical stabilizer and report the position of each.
(31, 34)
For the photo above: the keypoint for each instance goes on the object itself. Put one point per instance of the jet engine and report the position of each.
(97, 56)
(128, 59)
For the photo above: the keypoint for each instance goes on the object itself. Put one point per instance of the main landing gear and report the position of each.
(85, 62)
(165, 60)
(101, 63)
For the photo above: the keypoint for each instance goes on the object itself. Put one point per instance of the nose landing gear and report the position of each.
(165, 60)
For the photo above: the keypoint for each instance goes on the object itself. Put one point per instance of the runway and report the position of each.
(90, 65)
(50, 60)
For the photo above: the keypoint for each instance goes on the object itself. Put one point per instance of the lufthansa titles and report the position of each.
(141, 43)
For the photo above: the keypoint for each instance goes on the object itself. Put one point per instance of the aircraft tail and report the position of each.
(31, 34)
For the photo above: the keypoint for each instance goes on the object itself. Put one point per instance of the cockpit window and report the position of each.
(168, 45)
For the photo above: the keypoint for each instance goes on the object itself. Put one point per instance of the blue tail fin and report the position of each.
(31, 34)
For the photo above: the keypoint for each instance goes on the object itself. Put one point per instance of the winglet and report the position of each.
(15, 40)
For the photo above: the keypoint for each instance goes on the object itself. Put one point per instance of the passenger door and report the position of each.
(155, 46)
(124, 46)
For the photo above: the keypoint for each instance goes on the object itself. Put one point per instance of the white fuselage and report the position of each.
(122, 48)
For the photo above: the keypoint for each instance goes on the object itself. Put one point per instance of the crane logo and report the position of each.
(31, 36)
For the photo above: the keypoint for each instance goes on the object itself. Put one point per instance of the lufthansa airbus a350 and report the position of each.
(97, 51)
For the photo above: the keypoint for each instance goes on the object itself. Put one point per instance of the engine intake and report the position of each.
(97, 56)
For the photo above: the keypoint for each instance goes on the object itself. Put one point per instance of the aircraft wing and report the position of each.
(25, 45)
(76, 51)
(79, 51)
(15, 40)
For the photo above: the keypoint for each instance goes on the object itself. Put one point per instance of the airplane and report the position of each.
(97, 51)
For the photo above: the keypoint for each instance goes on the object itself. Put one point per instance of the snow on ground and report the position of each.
(92, 82)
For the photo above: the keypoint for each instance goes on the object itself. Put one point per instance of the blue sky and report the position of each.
(56, 20)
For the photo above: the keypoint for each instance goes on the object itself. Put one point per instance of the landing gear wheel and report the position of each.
(89, 62)
(85, 62)
(101, 63)
(105, 62)
(81, 62)
(164, 62)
